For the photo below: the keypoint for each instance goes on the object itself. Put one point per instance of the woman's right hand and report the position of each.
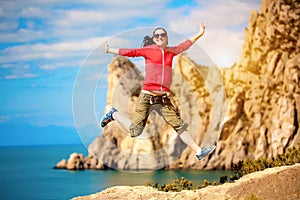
(106, 47)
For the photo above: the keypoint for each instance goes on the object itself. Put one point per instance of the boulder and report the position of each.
(61, 164)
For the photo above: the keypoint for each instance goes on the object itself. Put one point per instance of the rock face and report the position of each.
(274, 183)
(263, 86)
(262, 96)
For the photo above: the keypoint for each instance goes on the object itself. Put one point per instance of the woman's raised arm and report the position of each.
(200, 33)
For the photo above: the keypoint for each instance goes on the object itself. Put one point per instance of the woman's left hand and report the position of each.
(202, 28)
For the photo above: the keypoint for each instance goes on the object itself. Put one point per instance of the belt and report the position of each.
(164, 98)
(153, 93)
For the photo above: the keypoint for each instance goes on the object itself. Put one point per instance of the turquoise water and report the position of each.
(27, 173)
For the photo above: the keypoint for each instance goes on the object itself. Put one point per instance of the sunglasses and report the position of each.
(163, 35)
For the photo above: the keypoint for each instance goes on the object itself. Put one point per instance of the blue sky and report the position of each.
(44, 45)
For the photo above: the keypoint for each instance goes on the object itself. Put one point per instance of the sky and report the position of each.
(45, 47)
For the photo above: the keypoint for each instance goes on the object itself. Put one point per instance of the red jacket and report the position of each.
(158, 63)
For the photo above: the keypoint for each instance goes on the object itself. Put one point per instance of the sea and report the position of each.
(26, 172)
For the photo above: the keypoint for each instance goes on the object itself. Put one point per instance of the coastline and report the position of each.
(271, 183)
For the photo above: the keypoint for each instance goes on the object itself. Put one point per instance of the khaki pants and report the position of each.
(161, 104)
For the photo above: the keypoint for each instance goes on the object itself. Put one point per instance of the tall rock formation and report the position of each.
(262, 95)
(263, 86)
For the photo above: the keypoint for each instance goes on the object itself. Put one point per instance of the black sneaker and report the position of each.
(108, 117)
(205, 152)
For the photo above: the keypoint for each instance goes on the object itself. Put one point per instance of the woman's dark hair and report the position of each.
(147, 41)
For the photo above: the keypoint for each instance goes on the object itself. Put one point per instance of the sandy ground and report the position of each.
(274, 183)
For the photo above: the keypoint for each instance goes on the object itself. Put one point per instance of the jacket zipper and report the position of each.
(163, 69)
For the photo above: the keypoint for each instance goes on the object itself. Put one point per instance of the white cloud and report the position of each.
(4, 118)
(19, 76)
(72, 32)
(29, 52)
(34, 20)
(34, 12)
(21, 35)
(18, 71)
(225, 22)
(79, 18)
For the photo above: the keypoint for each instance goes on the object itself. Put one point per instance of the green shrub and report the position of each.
(223, 179)
(252, 197)
(243, 167)
(184, 184)
(233, 177)
(176, 186)
(291, 157)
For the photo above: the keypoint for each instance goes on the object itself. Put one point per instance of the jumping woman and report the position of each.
(155, 91)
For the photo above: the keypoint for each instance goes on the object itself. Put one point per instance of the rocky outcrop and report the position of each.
(77, 161)
(273, 183)
(262, 98)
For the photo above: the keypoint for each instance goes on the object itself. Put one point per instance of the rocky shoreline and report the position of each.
(273, 183)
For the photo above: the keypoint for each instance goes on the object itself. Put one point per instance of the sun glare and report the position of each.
(225, 60)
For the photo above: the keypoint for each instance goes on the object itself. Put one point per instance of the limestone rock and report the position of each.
(274, 183)
(90, 162)
(61, 164)
(75, 162)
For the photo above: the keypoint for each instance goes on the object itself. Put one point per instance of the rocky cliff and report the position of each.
(262, 98)
(263, 86)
